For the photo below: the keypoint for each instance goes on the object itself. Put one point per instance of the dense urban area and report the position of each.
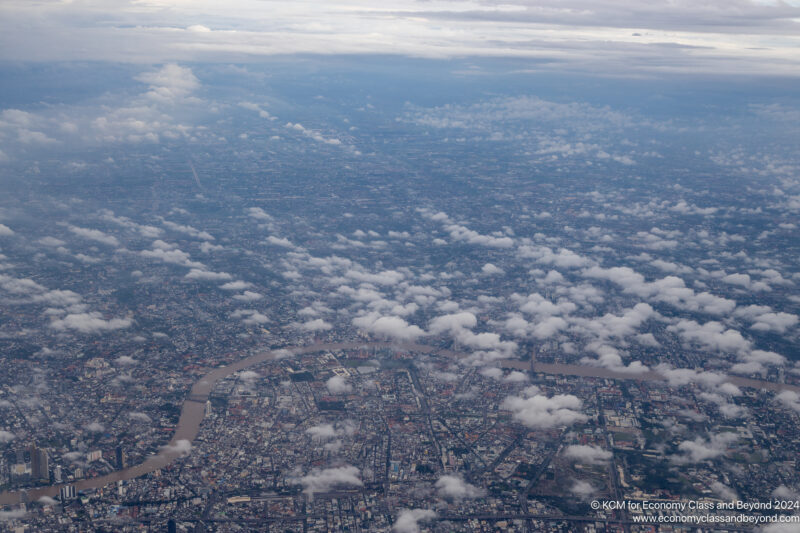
(293, 299)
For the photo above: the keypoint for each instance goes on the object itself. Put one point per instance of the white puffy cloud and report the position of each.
(169, 254)
(94, 235)
(258, 213)
(329, 478)
(207, 275)
(453, 487)
(763, 318)
(250, 317)
(139, 417)
(338, 385)
(677, 377)
(464, 234)
(280, 241)
(408, 520)
(540, 412)
(323, 432)
(180, 448)
(711, 335)
(169, 83)
(51, 241)
(587, 454)
(671, 290)
(90, 323)
(237, 285)
(5, 231)
(316, 325)
(388, 326)
(563, 258)
(94, 427)
(582, 489)
(790, 399)
(611, 358)
(188, 230)
(248, 296)
(452, 323)
(489, 270)
(700, 449)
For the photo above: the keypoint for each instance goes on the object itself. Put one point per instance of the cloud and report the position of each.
(515, 376)
(724, 491)
(587, 454)
(610, 357)
(258, 213)
(597, 37)
(94, 235)
(180, 448)
(582, 489)
(700, 449)
(188, 230)
(139, 417)
(169, 254)
(338, 385)
(711, 335)
(207, 275)
(248, 296)
(313, 134)
(328, 479)
(5, 231)
(452, 323)
(235, 285)
(284, 242)
(316, 325)
(563, 258)
(90, 323)
(765, 319)
(250, 317)
(392, 327)
(408, 520)
(249, 375)
(387, 277)
(323, 432)
(47, 501)
(537, 411)
(790, 399)
(94, 427)
(170, 83)
(453, 487)
(51, 241)
(489, 270)
(671, 290)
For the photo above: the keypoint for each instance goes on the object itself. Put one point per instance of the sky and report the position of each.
(605, 37)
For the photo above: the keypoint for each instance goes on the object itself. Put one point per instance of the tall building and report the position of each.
(67, 492)
(120, 457)
(40, 467)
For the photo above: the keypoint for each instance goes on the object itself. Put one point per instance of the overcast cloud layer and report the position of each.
(602, 36)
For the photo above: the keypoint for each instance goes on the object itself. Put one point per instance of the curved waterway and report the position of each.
(193, 409)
